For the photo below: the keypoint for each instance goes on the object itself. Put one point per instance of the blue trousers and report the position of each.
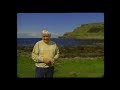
(44, 72)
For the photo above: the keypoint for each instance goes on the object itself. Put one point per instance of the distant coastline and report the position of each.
(86, 31)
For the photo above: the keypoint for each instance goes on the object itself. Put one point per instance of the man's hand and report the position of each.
(47, 61)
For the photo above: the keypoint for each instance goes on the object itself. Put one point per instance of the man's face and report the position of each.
(46, 38)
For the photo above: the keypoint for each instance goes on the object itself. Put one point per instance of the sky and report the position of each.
(30, 25)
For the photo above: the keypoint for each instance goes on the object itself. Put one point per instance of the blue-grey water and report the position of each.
(59, 41)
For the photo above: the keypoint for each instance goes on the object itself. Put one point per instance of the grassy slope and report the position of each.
(64, 68)
(87, 31)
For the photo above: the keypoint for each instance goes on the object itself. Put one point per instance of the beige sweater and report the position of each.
(42, 50)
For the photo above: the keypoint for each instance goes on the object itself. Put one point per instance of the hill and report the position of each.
(87, 31)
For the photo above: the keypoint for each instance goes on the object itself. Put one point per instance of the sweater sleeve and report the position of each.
(35, 54)
(57, 53)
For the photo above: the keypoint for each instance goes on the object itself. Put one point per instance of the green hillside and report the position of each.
(87, 31)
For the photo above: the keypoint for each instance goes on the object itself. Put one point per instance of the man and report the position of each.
(44, 53)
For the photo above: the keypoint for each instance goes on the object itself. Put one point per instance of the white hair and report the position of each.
(46, 32)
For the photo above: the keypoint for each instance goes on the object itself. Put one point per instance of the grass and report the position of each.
(25, 67)
(80, 68)
(64, 68)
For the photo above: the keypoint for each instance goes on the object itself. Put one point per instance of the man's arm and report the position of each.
(57, 54)
(35, 54)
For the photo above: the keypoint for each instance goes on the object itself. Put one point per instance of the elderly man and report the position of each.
(44, 53)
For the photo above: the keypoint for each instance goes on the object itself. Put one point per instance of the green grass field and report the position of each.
(64, 68)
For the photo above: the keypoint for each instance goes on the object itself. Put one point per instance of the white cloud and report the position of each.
(55, 35)
(28, 35)
(34, 35)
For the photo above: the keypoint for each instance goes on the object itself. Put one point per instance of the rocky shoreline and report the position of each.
(68, 51)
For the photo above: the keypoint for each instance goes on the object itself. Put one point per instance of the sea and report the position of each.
(59, 41)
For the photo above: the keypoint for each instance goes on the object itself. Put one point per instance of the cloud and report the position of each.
(34, 35)
(55, 35)
(28, 35)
